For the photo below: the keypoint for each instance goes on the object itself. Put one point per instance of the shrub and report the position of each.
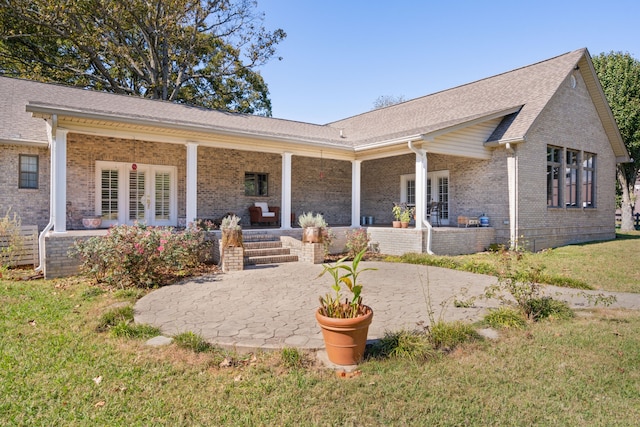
(357, 241)
(448, 335)
(191, 341)
(11, 240)
(505, 317)
(547, 307)
(139, 255)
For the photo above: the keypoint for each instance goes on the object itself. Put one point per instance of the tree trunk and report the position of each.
(627, 205)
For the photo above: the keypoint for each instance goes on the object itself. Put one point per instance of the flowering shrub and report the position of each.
(139, 255)
(11, 241)
(357, 241)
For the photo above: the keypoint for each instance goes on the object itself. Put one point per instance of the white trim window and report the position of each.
(576, 187)
(127, 193)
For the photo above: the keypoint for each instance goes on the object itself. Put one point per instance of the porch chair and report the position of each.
(434, 212)
(261, 213)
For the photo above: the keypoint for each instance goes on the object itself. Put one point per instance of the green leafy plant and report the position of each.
(331, 305)
(357, 241)
(407, 214)
(396, 211)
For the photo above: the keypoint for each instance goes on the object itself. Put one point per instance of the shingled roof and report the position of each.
(520, 95)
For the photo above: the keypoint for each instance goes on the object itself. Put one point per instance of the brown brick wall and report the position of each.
(84, 150)
(322, 186)
(32, 206)
(572, 115)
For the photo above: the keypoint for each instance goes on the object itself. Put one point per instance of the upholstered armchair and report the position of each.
(261, 213)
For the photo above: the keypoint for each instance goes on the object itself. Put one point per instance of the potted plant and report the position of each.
(344, 321)
(231, 246)
(312, 226)
(397, 213)
(405, 216)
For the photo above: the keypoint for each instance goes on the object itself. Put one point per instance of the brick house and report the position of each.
(534, 149)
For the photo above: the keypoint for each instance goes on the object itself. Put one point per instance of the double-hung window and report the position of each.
(28, 177)
(256, 184)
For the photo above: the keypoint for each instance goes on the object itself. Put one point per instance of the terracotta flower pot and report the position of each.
(312, 235)
(404, 224)
(345, 339)
(396, 224)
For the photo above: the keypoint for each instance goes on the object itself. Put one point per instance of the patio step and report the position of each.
(265, 249)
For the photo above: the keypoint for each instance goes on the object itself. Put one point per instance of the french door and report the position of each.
(130, 193)
(437, 191)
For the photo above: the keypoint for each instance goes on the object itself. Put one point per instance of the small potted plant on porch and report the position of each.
(231, 246)
(397, 214)
(405, 216)
(312, 226)
(344, 322)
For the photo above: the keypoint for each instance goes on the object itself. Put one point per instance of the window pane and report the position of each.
(571, 193)
(588, 180)
(411, 192)
(554, 164)
(162, 195)
(109, 194)
(256, 184)
(28, 175)
(136, 196)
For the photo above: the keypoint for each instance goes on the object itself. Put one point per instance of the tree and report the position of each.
(202, 52)
(387, 101)
(619, 74)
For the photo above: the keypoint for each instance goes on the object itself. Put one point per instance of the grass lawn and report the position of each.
(610, 266)
(56, 369)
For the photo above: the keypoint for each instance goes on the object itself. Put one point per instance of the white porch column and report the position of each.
(421, 188)
(356, 166)
(512, 179)
(192, 182)
(285, 209)
(59, 180)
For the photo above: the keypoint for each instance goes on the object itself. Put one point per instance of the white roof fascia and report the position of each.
(24, 142)
(45, 112)
(381, 144)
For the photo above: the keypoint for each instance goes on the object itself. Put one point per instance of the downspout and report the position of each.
(51, 134)
(423, 154)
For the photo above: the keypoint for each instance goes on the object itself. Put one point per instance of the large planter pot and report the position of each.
(312, 235)
(345, 339)
(91, 222)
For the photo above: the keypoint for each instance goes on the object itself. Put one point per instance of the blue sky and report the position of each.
(339, 56)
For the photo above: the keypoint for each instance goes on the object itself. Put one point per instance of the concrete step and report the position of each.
(259, 237)
(249, 253)
(262, 244)
(270, 259)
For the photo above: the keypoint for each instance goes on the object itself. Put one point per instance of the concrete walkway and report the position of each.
(271, 307)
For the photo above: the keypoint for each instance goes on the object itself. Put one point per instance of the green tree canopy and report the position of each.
(619, 74)
(202, 52)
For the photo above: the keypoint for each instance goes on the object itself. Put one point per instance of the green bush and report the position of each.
(139, 255)
(547, 307)
(448, 335)
(505, 317)
(191, 341)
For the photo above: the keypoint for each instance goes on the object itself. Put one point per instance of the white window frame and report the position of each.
(432, 177)
(123, 192)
